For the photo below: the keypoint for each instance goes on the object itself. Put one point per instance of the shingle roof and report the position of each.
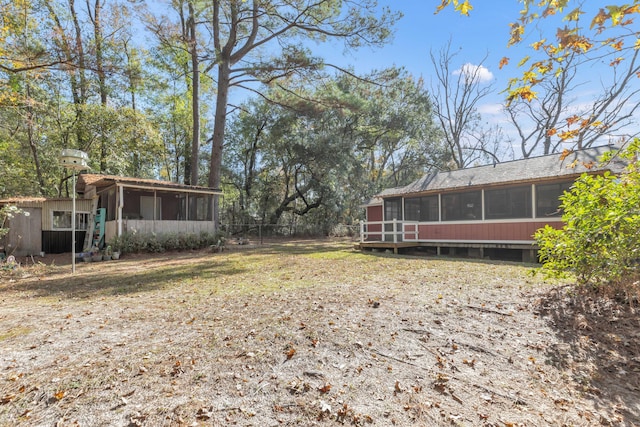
(31, 200)
(100, 180)
(22, 199)
(517, 171)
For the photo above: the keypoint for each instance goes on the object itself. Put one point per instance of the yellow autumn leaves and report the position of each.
(463, 7)
(569, 40)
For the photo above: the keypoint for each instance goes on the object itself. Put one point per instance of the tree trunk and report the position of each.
(83, 141)
(195, 97)
(250, 163)
(132, 91)
(32, 142)
(218, 132)
(102, 84)
(76, 74)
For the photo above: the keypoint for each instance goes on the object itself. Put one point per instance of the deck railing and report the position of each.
(389, 231)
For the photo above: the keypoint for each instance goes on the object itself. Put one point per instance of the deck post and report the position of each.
(395, 230)
(361, 231)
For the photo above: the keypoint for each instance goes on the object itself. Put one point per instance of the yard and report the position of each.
(310, 333)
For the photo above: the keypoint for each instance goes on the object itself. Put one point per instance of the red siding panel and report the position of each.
(374, 213)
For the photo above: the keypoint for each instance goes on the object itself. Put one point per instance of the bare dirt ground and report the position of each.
(310, 333)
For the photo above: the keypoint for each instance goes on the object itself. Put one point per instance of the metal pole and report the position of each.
(73, 227)
(75, 160)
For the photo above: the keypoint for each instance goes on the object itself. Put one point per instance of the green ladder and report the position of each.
(88, 237)
(98, 229)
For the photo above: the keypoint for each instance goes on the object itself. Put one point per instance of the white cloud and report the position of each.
(491, 109)
(474, 72)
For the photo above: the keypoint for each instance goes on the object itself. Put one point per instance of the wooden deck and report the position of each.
(496, 239)
(472, 249)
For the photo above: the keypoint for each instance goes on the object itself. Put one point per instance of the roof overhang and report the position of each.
(374, 201)
(105, 181)
(185, 189)
(553, 167)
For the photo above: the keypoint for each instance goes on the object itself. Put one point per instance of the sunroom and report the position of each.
(149, 206)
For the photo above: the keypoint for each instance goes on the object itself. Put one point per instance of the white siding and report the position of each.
(164, 227)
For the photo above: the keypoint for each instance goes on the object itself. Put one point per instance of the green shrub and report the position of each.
(171, 242)
(207, 239)
(343, 230)
(135, 242)
(191, 241)
(154, 244)
(599, 244)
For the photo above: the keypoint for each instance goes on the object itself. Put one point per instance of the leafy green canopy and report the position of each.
(316, 161)
(599, 242)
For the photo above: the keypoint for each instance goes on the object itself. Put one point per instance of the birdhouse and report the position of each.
(74, 159)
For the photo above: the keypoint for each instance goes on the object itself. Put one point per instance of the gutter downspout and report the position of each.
(120, 206)
(155, 210)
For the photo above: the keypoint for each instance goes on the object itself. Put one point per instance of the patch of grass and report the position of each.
(15, 332)
(339, 254)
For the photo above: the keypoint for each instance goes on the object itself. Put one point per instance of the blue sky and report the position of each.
(481, 37)
(484, 33)
(420, 30)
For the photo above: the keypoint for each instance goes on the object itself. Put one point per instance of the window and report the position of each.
(462, 206)
(429, 209)
(412, 209)
(548, 198)
(200, 207)
(147, 204)
(182, 206)
(108, 201)
(421, 208)
(504, 203)
(62, 220)
(195, 207)
(392, 209)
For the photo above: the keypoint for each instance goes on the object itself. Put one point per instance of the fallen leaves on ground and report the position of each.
(348, 338)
